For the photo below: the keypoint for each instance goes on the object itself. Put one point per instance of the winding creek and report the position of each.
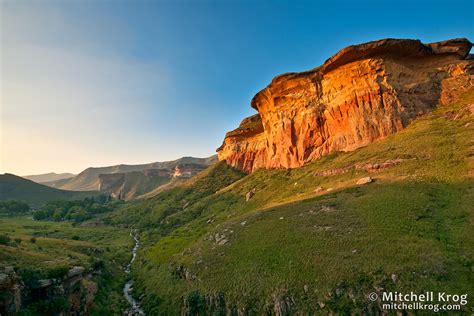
(135, 308)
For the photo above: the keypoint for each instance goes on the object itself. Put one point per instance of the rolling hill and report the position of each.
(89, 178)
(13, 187)
(49, 177)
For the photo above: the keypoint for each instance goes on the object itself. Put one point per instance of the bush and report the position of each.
(30, 277)
(98, 265)
(76, 211)
(40, 215)
(196, 303)
(33, 240)
(49, 307)
(4, 240)
(58, 272)
(11, 207)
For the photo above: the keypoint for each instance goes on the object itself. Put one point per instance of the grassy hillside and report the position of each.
(136, 184)
(45, 247)
(16, 188)
(56, 183)
(311, 239)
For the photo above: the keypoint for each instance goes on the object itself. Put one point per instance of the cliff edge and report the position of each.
(363, 93)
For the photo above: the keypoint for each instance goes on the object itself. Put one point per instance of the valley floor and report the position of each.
(394, 216)
(50, 267)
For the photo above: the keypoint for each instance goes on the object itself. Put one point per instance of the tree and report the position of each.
(12, 207)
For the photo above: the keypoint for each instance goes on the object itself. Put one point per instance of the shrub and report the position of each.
(49, 307)
(30, 277)
(196, 303)
(12, 207)
(58, 272)
(4, 240)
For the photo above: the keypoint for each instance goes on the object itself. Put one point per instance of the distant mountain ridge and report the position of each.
(128, 181)
(13, 187)
(49, 177)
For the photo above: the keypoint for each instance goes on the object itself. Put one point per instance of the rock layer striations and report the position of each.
(363, 93)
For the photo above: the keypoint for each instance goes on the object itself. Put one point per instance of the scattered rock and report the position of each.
(394, 277)
(222, 242)
(281, 217)
(187, 251)
(321, 228)
(327, 209)
(306, 288)
(282, 304)
(318, 189)
(370, 167)
(75, 271)
(243, 223)
(364, 180)
(354, 251)
(219, 239)
(249, 194)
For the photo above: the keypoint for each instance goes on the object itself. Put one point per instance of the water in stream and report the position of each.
(135, 308)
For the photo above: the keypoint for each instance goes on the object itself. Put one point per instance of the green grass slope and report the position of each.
(17, 188)
(136, 184)
(310, 243)
(45, 246)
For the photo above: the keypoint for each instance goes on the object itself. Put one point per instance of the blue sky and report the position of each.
(94, 83)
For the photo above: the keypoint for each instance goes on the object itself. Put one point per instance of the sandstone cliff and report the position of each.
(363, 93)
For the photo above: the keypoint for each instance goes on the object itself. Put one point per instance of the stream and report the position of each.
(135, 308)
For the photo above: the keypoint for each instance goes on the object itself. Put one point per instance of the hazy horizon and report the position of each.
(121, 163)
(102, 83)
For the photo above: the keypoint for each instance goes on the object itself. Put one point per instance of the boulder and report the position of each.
(249, 194)
(364, 180)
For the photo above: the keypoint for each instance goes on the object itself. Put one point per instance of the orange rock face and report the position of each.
(363, 93)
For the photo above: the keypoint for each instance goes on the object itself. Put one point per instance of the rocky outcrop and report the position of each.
(11, 288)
(75, 288)
(187, 170)
(363, 93)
